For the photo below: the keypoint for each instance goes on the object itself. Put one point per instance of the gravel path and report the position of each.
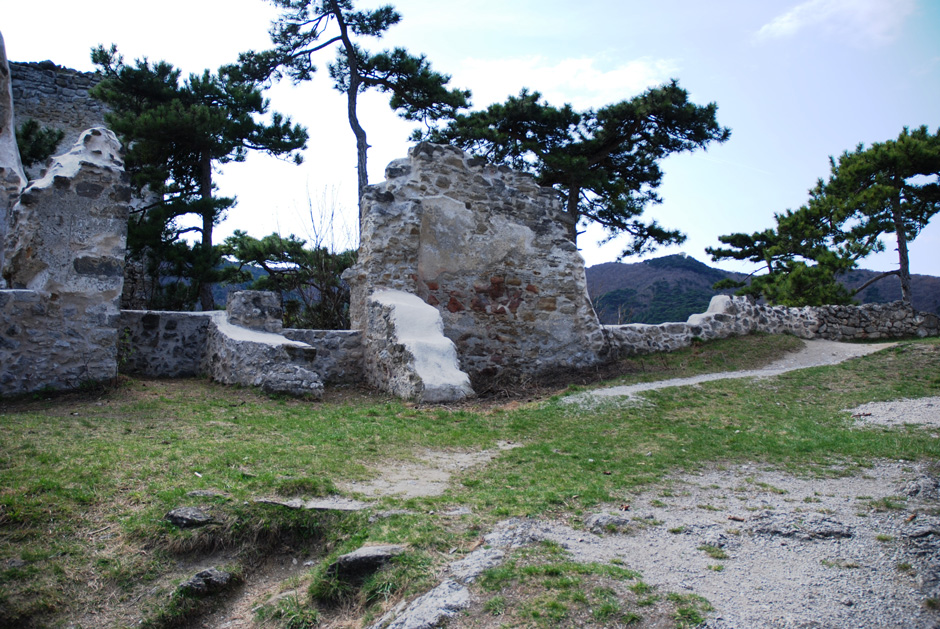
(856, 551)
(815, 353)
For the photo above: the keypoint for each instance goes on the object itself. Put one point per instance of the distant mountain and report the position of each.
(673, 287)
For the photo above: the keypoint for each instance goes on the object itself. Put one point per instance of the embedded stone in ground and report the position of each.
(364, 561)
(207, 582)
(188, 517)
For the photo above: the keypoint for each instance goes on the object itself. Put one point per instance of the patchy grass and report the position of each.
(540, 589)
(86, 479)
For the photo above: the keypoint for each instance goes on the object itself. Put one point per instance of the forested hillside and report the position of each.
(673, 287)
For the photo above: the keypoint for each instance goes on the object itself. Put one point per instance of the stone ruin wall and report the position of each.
(488, 248)
(163, 344)
(65, 265)
(484, 246)
(56, 97)
(737, 316)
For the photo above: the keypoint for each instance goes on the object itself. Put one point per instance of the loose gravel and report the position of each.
(859, 548)
(854, 551)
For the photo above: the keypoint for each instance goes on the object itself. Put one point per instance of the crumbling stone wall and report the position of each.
(339, 358)
(12, 177)
(65, 255)
(736, 316)
(56, 97)
(488, 248)
(160, 344)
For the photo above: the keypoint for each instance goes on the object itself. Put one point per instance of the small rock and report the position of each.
(364, 561)
(335, 504)
(188, 517)
(458, 511)
(924, 487)
(296, 503)
(810, 527)
(514, 533)
(206, 582)
(206, 493)
(605, 522)
(427, 611)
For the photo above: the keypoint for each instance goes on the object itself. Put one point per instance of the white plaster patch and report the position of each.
(95, 147)
(238, 333)
(420, 329)
(447, 225)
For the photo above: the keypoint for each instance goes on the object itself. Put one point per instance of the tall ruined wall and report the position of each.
(56, 97)
(487, 247)
(65, 258)
(12, 177)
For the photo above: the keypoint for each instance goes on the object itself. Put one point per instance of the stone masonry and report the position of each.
(12, 177)
(736, 316)
(56, 97)
(65, 259)
(487, 247)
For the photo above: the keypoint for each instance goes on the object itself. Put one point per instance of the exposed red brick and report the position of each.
(433, 285)
(532, 288)
(455, 306)
(434, 301)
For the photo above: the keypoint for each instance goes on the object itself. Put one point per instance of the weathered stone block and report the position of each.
(256, 310)
(406, 352)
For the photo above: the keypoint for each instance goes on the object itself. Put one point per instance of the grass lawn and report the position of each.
(87, 478)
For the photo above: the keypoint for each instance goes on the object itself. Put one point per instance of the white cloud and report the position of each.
(577, 81)
(860, 21)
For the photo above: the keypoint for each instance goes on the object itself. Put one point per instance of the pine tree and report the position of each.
(306, 27)
(891, 187)
(177, 133)
(604, 163)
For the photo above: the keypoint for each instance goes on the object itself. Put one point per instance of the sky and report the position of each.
(796, 81)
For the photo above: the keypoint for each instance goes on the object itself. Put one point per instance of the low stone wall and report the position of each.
(874, 321)
(245, 345)
(238, 355)
(339, 353)
(735, 316)
(46, 344)
(162, 344)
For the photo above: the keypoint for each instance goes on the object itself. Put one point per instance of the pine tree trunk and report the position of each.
(352, 94)
(571, 209)
(904, 262)
(206, 300)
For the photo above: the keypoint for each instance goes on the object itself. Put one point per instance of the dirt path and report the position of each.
(816, 353)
